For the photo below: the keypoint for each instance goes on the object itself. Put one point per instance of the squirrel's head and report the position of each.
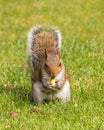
(53, 63)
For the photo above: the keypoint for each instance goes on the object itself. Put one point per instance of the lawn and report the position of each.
(82, 25)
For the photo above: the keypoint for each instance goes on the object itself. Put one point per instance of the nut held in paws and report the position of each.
(53, 81)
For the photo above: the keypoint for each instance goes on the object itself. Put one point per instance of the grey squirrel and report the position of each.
(49, 76)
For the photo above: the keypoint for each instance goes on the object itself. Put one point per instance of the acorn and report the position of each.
(53, 81)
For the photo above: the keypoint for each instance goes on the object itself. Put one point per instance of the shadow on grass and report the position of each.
(18, 95)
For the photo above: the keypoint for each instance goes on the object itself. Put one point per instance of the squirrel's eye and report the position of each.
(46, 65)
(60, 64)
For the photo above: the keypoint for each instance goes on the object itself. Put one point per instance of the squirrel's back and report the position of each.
(41, 39)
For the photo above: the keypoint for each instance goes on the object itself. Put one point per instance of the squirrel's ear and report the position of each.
(59, 52)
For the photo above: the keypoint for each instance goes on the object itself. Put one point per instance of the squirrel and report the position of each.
(49, 76)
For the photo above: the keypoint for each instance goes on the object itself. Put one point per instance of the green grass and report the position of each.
(82, 25)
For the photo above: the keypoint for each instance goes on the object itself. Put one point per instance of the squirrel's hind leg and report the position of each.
(38, 95)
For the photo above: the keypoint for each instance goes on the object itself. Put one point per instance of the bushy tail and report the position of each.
(32, 36)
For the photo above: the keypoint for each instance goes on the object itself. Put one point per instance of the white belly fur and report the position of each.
(39, 96)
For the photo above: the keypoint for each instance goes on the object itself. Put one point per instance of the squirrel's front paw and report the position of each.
(59, 84)
(52, 86)
(55, 85)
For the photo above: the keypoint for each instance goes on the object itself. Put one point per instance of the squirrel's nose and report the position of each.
(53, 77)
